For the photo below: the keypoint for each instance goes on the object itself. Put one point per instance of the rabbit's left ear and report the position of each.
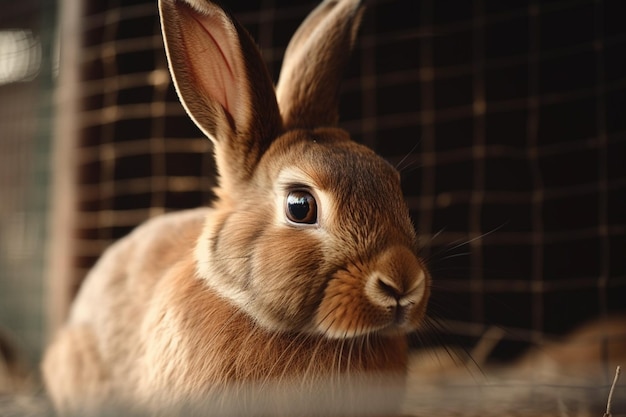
(222, 82)
(310, 78)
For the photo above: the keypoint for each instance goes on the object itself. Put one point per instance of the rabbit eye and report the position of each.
(301, 207)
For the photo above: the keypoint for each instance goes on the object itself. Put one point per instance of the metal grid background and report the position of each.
(506, 119)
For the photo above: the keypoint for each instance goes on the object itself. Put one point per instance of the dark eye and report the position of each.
(301, 207)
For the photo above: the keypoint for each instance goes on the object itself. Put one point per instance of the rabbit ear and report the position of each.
(222, 83)
(308, 87)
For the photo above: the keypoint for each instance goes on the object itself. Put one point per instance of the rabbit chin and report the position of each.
(355, 319)
(391, 330)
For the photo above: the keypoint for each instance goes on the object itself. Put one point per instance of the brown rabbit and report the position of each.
(300, 282)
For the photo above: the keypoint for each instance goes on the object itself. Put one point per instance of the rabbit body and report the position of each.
(303, 275)
(145, 330)
(97, 355)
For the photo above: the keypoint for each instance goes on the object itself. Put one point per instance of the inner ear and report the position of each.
(212, 67)
(222, 82)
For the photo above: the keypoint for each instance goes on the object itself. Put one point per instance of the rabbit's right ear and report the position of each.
(222, 83)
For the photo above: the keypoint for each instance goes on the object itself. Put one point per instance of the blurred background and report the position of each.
(507, 120)
(28, 76)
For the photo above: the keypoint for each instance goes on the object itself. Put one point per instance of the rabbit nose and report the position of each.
(389, 289)
(399, 295)
(393, 294)
(398, 279)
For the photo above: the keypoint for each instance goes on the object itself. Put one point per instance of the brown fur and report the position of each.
(198, 307)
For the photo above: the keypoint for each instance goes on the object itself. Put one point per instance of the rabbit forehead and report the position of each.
(329, 160)
(359, 190)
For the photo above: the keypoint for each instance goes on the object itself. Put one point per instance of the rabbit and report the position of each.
(301, 280)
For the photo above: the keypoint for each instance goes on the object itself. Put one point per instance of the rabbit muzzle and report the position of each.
(388, 295)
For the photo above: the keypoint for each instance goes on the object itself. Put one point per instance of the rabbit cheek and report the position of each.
(345, 311)
(221, 253)
(285, 267)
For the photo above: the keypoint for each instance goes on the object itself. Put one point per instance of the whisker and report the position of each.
(340, 356)
(294, 353)
(312, 360)
(411, 168)
(481, 236)
(270, 372)
(454, 255)
(436, 235)
(469, 358)
(406, 156)
(445, 249)
(467, 242)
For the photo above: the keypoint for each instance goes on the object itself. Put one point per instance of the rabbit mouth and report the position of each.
(350, 315)
(400, 315)
(392, 322)
(404, 320)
